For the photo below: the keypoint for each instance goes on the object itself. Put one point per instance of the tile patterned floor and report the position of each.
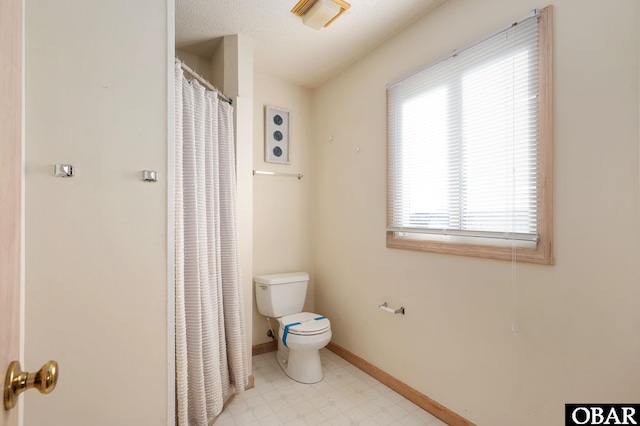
(346, 396)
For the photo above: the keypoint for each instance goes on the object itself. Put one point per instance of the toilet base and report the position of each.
(301, 366)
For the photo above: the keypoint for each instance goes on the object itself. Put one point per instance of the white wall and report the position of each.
(96, 255)
(282, 206)
(578, 319)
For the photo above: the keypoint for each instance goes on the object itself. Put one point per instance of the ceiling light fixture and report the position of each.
(320, 13)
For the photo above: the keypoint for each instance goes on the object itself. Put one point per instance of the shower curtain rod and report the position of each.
(201, 79)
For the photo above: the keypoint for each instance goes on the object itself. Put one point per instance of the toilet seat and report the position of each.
(303, 324)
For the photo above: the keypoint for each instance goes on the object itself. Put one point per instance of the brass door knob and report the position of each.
(18, 381)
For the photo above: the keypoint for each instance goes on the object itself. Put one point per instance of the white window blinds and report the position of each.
(463, 141)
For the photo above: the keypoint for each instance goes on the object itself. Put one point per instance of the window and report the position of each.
(469, 149)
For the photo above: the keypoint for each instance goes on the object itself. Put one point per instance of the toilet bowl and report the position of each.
(301, 335)
(300, 338)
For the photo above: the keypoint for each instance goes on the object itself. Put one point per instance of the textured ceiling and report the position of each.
(283, 46)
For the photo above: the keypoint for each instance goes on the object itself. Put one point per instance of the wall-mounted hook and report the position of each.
(149, 176)
(63, 170)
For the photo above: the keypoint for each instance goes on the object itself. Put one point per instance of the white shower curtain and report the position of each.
(211, 356)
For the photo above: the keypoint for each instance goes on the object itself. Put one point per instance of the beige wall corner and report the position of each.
(217, 66)
(238, 85)
(202, 66)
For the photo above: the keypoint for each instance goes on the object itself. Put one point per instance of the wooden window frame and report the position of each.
(542, 253)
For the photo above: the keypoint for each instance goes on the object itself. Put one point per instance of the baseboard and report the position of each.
(264, 348)
(421, 400)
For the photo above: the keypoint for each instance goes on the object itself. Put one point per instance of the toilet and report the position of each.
(301, 335)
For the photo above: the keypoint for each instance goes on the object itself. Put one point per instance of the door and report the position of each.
(92, 247)
(95, 296)
(10, 189)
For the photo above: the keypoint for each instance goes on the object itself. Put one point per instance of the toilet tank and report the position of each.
(278, 295)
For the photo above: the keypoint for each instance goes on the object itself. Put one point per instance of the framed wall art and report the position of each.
(276, 135)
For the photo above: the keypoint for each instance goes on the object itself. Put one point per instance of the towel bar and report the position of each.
(259, 172)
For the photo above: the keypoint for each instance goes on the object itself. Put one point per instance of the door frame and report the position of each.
(11, 193)
(170, 173)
